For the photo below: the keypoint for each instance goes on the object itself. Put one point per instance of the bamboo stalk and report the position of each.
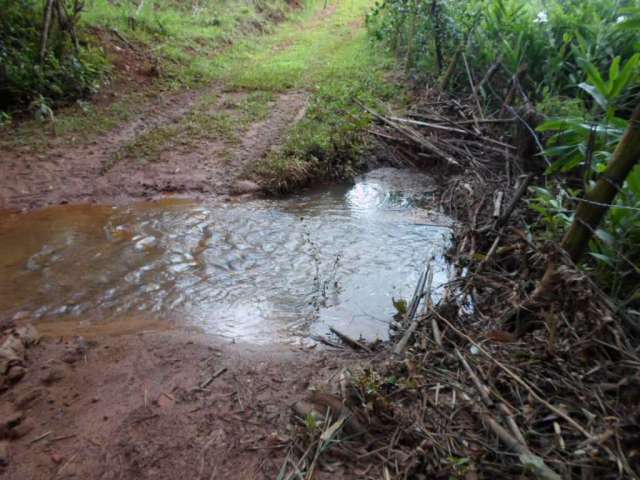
(454, 59)
(526, 457)
(426, 277)
(590, 213)
(450, 69)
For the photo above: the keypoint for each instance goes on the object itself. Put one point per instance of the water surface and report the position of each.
(258, 270)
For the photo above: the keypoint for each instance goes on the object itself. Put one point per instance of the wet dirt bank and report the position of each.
(159, 405)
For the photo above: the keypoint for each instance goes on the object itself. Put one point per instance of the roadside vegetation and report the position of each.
(175, 44)
(527, 365)
(318, 47)
(569, 70)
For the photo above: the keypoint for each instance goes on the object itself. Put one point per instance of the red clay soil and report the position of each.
(87, 172)
(155, 405)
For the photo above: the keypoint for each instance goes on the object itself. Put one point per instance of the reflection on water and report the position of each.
(262, 270)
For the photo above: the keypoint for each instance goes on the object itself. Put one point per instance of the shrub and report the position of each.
(582, 74)
(65, 74)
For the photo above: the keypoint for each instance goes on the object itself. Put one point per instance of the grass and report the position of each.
(216, 118)
(186, 36)
(321, 45)
(326, 52)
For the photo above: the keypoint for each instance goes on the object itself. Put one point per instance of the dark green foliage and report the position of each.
(553, 38)
(582, 73)
(63, 76)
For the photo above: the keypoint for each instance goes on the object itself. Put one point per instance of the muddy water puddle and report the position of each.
(257, 270)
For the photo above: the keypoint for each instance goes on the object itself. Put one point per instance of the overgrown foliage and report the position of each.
(65, 72)
(568, 68)
(180, 40)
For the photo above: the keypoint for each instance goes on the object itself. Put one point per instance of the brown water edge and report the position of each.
(255, 270)
(23, 235)
(70, 327)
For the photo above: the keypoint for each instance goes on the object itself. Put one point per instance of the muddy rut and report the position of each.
(101, 170)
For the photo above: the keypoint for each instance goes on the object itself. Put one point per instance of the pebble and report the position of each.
(52, 376)
(26, 399)
(24, 428)
(9, 422)
(16, 373)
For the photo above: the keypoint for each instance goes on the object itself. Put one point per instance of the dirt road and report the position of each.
(161, 405)
(129, 403)
(112, 168)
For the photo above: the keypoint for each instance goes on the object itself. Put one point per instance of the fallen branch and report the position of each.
(526, 457)
(213, 377)
(356, 345)
(420, 292)
(522, 188)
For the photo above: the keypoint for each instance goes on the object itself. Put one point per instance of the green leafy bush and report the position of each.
(64, 74)
(554, 38)
(580, 62)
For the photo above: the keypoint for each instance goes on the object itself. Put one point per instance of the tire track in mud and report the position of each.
(212, 165)
(95, 171)
(68, 173)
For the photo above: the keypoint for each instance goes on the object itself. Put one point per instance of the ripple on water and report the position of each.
(262, 270)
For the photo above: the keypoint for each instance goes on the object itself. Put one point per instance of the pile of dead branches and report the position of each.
(445, 133)
(465, 397)
(468, 390)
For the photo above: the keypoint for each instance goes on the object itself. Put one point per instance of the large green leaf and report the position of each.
(603, 258)
(593, 75)
(565, 164)
(622, 80)
(596, 94)
(614, 70)
(605, 237)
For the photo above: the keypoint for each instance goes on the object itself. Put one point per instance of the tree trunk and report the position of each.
(590, 212)
(48, 11)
